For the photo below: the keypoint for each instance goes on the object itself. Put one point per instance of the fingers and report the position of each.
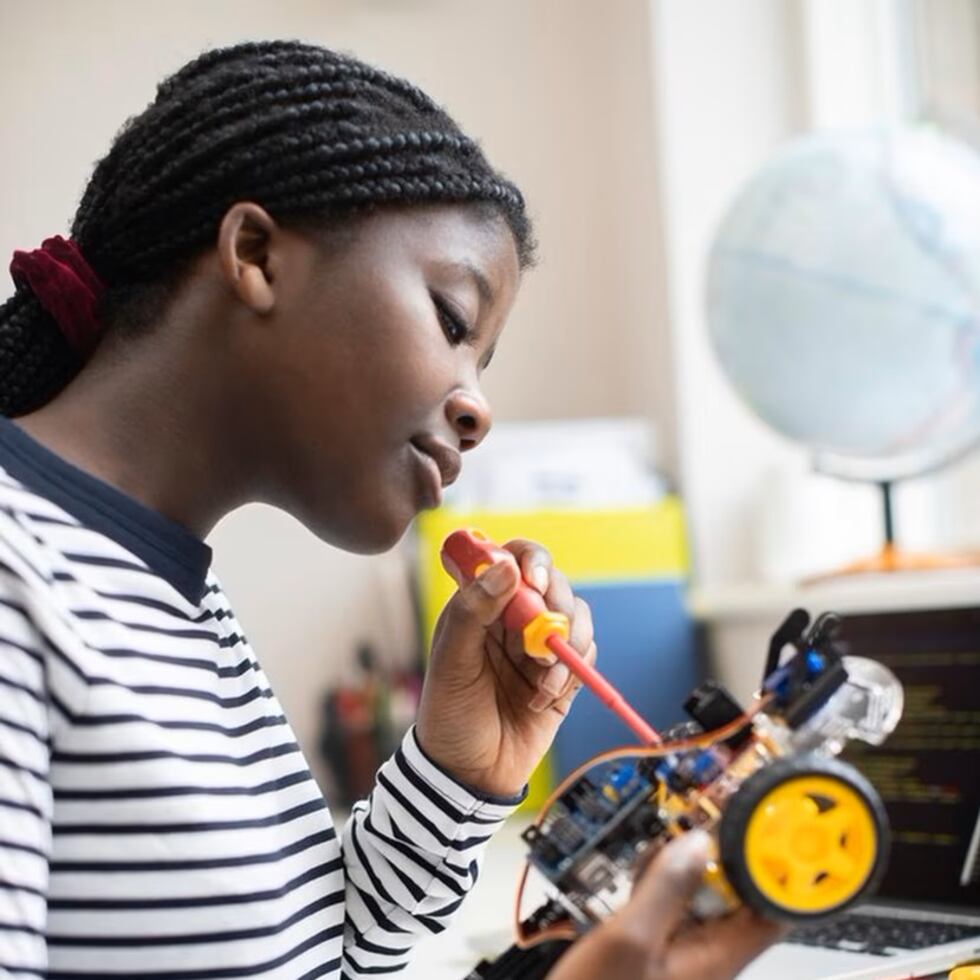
(477, 604)
(534, 562)
(723, 947)
(719, 948)
(741, 937)
(537, 570)
(581, 638)
(567, 695)
(581, 632)
(550, 683)
(552, 680)
(558, 683)
(559, 595)
(660, 898)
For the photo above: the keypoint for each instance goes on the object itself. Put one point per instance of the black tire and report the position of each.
(744, 804)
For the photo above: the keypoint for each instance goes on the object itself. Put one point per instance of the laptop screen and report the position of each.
(928, 771)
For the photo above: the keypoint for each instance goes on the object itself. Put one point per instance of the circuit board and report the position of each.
(595, 833)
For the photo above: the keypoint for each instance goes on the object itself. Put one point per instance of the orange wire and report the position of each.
(704, 740)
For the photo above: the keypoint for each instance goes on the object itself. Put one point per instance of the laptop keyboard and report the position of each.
(880, 935)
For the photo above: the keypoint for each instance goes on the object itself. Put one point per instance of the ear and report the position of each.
(245, 240)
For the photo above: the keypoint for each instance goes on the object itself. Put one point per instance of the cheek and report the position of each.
(405, 362)
(406, 386)
(373, 360)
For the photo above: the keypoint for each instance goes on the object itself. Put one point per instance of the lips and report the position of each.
(447, 460)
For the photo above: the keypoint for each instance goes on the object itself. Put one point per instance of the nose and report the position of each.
(469, 415)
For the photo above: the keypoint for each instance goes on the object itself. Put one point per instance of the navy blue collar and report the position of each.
(166, 547)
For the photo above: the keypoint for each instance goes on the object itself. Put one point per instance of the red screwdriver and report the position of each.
(544, 631)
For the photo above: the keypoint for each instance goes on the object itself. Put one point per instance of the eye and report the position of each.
(453, 324)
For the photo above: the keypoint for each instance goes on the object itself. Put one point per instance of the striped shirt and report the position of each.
(157, 818)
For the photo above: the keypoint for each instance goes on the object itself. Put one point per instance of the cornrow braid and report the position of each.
(309, 134)
(295, 55)
(299, 154)
(253, 57)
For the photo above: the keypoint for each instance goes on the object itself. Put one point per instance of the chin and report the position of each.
(363, 534)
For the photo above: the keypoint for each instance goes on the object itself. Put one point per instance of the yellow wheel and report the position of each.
(804, 838)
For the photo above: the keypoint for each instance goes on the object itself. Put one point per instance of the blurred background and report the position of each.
(630, 126)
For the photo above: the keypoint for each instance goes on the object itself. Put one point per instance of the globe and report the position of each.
(843, 299)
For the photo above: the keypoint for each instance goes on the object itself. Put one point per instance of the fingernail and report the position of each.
(554, 680)
(539, 578)
(496, 579)
(540, 701)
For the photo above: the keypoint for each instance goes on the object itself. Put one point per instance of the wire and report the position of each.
(566, 930)
(558, 930)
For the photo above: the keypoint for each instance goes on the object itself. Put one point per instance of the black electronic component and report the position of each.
(805, 683)
(711, 706)
(527, 964)
(813, 692)
(790, 631)
(522, 964)
(824, 631)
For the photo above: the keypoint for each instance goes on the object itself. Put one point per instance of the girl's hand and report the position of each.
(489, 711)
(651, 937)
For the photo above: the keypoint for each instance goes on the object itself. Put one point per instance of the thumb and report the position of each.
(660, 898)
(479, 603)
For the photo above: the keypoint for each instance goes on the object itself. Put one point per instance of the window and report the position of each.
(946, 63)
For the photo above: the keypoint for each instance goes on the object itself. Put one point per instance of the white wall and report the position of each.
(729, 88)
(559, 93)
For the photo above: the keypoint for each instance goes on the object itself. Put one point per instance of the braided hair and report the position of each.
(311, 135)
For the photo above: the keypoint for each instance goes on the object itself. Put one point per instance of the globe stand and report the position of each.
(892, 558)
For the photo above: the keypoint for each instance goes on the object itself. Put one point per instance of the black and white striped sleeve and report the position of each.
(27, 706)
(412, 851)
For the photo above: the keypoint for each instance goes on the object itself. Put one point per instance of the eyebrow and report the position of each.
(483, 286)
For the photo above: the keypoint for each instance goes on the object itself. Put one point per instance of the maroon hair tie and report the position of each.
(66, 286)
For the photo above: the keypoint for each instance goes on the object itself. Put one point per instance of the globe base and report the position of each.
(891, 558)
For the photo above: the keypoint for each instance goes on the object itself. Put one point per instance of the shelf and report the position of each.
(865, 593)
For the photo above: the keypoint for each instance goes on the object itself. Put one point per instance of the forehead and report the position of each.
(439, 236)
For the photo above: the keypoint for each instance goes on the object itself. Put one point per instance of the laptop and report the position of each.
(925, 918)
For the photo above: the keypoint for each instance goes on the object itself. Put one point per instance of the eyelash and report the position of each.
(453, 324)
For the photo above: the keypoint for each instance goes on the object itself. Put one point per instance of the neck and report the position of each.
(154, 417)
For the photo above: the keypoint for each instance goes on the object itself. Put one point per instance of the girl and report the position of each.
(282, 284)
